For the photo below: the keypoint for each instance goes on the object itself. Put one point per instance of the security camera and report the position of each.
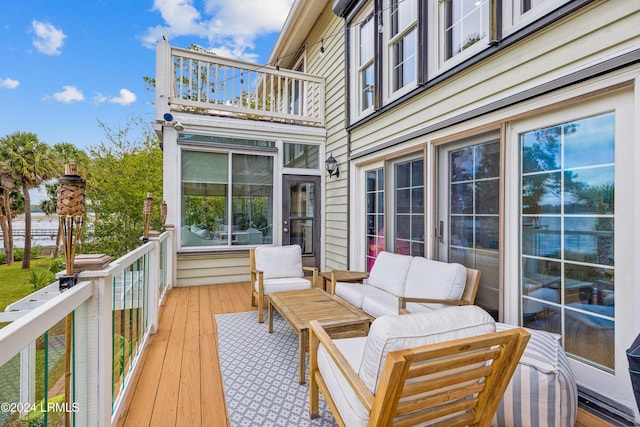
(178, 126)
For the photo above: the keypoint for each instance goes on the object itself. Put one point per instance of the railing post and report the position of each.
(172, 264)
(164, 79)
(28, 375)
(154, 284)
(93, 353)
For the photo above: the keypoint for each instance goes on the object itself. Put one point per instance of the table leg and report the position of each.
(270, 315)
(301, 355)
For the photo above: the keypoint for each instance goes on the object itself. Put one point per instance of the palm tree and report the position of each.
(49, 207)
(29, 162)
(6, 215)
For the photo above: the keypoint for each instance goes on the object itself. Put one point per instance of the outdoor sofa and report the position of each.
(543, 387)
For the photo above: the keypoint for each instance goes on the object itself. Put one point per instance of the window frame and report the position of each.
(514, 19)
(439, 63)
(355, 92)
(271, 154)
(388, 43)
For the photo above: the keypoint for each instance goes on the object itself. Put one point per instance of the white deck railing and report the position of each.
(114, 311)
(197, 82)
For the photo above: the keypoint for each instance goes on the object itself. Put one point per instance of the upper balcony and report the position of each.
(200, 83)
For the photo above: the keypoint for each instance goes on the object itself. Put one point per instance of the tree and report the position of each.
(121, 173)
(6, 224)
(29, 162)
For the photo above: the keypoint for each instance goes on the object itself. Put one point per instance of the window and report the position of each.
(517, 13)
(365, 64)
(401, 35)
(375, 215)
(567, 235)
(227, 199)
(362, 63)
(409, 207)
(302, 156)
(466, 22)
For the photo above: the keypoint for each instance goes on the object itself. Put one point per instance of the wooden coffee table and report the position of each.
(339, 318)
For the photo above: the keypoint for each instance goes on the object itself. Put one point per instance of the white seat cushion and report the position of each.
(284, 284)
(390, 333)
(389, 272)
(380, 305)
(279, 261)
(349, 406)
(355, 293)
(427, 278)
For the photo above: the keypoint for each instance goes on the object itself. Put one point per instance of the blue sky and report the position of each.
(65, 64)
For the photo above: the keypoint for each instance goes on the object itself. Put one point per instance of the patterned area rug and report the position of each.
(260, 373)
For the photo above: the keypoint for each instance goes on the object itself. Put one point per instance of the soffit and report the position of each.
(302, 17)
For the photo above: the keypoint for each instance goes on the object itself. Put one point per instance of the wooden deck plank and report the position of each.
(189, 405)
(206, 315)
(162, 382)
(165, 407)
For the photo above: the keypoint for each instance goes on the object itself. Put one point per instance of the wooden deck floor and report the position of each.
(180, 382)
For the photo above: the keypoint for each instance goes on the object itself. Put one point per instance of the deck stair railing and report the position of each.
(115, 310)
(202, 83)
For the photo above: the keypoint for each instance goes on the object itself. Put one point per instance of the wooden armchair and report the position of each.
(277, 269)
(452, 383)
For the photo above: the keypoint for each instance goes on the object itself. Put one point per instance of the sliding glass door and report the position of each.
(468, 222)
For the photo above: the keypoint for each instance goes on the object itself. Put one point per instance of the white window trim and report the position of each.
(356, 112)
(438, 64)
(513, 19)
(388, 42)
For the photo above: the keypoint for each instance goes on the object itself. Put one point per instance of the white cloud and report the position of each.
(99, 98)
(126, 97)
(9, 83)
(229, 26)
(69, 94)
(48, 39)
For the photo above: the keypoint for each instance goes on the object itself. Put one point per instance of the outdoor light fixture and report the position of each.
(178, 126)
(332, 166)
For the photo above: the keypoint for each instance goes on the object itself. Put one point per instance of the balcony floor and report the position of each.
(179, 383)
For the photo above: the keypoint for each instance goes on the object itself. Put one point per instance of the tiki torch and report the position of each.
(163, 214)
(70, 208)
(147, 210)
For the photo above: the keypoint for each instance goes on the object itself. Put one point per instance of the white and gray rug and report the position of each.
(260, 374)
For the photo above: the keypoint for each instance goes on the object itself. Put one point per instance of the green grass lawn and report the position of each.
(13, 280)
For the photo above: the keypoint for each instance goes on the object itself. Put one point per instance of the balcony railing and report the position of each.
(112, 312)
(201, 83)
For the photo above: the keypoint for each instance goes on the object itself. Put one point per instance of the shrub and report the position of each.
(39, 280)
(18, 254)
(57, 264)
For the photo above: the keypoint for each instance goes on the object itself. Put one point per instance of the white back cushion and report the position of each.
(389, 272)
(390, 333)
(435, 279)
(279, 261)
